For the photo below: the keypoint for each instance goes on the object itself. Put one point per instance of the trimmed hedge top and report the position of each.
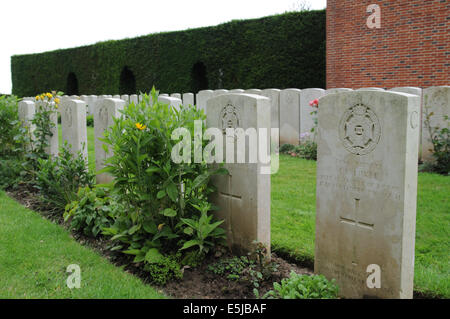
(281, 51)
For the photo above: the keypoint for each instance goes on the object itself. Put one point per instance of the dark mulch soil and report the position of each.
(201, 283)
(197, 283)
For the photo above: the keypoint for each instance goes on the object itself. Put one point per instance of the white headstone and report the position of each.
(103, 118)
(274, 96)
(290, 116)
(26, 110)
(202, 97)
(370, 89)
(116, 96)
(53, 140)
(73, 126)
(253, 91)
(237, 91)
(176, 95)
(134, 99)
(408, 89)
(337, 90)
(366, 192)
(125, 98)
(306, 118)
(220, 92)
(244, 195)
(188, 99)
(436, 101)
(172, 101)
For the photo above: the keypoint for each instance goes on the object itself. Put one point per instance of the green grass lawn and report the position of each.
(293, 222)
(293, 219)
(35, 253)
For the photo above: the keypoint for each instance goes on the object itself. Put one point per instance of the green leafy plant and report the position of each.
(91, 211)
(440, 139)
(90, 120)
(59, 178)
(163, 269)
(204, 230)
(12, 142)
(307, 149)
(9, 126)
(156, 192)
(304, 287)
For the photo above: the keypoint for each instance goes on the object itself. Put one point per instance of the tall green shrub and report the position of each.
(161, 198)
(281, 51)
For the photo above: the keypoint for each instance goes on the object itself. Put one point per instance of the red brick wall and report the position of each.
(412, 47)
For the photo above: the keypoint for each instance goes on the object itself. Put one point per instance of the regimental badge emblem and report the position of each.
(229, 117)
(359, 129)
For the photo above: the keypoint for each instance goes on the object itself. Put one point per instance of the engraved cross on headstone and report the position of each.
(356, 222)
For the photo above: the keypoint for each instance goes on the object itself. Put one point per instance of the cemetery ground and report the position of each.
(42, 274)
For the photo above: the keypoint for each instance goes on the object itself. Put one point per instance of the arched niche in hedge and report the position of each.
(72, 84)
(127, 84)
(199, 77)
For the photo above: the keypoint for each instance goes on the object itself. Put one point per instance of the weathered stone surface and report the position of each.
(26, 110)
(176, 95)
(220, 92)
(244, 195)
(366, 191)
(274, 96)
(134, 99)
(408, 89)
(253, 91)
(370, 89)
(436, 101)
(104, 116)
(126, 98)
(337, 90)
(172, 101)
(306, 118)
(202, 97)
(290, 116)
(73, 126)
(188, 99)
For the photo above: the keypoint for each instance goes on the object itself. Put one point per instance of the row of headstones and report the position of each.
(366, 179)
(291, 112)
(366, 187)
(74, 127)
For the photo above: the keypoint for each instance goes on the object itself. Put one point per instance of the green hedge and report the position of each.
(280, 51)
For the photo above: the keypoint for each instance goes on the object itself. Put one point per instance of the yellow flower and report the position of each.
(140, 126)
(57, 100)
(38, 97)
(56, 106)
(49, 95)
(160, 226)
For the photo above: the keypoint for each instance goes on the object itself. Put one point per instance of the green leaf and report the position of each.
(153, 256)
(188, 231)
(150, 227)
(134, 229)
(169, 212)
(161, 194)
(172, 191)
(191, 243)
(132, 251)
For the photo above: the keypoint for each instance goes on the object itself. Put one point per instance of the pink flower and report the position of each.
(314, 103)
